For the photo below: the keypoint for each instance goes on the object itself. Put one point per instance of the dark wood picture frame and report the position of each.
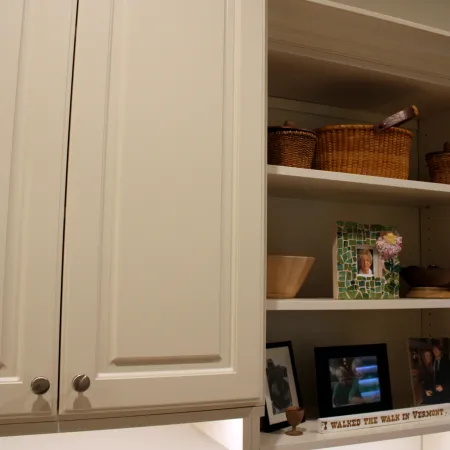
(323, 355)
(267, 424)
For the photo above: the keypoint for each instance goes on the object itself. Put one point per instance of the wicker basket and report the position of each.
(439, 165)
(381, 150)
(290, 146)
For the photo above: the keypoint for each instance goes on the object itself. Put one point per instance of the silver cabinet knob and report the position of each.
(40, 385)
(81, 383)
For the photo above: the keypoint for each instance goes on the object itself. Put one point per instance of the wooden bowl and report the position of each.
(426, 277)
(286, 275)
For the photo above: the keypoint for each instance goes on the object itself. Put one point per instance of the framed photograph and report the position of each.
(430, 370)
(365, 262)
(280, 385)
(352, 379)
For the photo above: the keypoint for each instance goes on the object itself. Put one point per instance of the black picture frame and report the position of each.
(274, 418)
(323, 355)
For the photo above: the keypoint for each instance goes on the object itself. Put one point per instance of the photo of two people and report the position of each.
(430, 370)
(354, 381)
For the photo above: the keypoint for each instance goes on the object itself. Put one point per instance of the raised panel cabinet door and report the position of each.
(36, 54)
(163, 291)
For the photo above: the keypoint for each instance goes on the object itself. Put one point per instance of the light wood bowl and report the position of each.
(286, 275)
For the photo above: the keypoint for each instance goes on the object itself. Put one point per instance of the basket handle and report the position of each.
(409, 113)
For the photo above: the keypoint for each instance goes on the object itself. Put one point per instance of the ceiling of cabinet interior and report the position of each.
(432, 13)
(328, 83)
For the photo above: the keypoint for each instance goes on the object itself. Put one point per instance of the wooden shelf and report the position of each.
(311, 439)
(336, 186)
(329, 304)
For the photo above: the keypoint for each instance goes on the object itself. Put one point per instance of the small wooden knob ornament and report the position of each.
(294, 416)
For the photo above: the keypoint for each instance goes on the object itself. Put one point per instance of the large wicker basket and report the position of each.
(381, 150)
(290, 146)
(439, 165)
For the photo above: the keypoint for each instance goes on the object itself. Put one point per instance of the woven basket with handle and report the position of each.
(290, 146)
(381, 150)
(439, 165)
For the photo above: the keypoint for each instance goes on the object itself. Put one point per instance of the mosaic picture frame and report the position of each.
(359, 270)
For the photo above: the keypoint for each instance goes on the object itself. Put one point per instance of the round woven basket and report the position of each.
(290, 146)
(439, 165)
(361, 150)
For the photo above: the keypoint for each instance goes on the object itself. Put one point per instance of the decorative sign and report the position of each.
(393, 417)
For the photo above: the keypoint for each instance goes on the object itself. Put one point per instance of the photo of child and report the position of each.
(354, 381)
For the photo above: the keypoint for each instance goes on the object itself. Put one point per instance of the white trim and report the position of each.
(381, 16)
(337, 186)
(312, 439)
(329, 304)
(126, 420)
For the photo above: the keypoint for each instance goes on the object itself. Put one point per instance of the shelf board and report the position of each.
(335, 186)
(329, 304)
(312, 439)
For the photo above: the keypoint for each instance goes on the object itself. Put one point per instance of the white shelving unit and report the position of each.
(329, 304)
(331, 62)
(312, 439)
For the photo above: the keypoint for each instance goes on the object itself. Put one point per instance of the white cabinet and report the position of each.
(163, 298)
(34, 112)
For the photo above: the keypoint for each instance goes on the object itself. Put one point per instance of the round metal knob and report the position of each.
(81, 383)
(40, 385)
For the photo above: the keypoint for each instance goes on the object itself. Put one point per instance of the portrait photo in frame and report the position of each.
(365, 262)
(281, 387)
(352, 379)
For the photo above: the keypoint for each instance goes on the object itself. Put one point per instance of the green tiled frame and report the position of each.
(350, 235)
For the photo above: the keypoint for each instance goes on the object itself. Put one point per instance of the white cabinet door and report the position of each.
(163, 294)
(36, 53)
